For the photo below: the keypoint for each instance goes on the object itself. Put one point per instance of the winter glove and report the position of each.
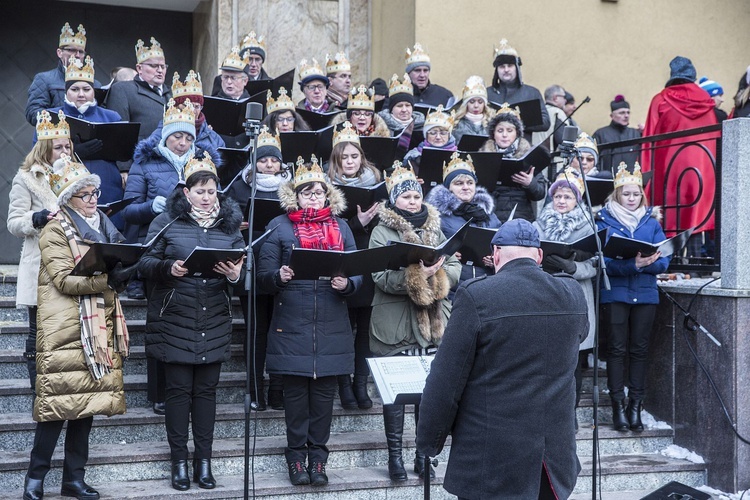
(582, 256)
(85, 150)
(159, 204)
(39, 219)
(555, 263)
(118, 276)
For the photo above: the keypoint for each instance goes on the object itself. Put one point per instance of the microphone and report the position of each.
(588, 99)
(253, 116)
(567, 147)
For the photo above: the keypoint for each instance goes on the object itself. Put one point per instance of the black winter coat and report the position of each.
(614, 132)
(520, 92)
(190, 318)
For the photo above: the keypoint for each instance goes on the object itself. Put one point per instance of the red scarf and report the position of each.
(317, 229)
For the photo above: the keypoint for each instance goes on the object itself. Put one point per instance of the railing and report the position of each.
(679, 178)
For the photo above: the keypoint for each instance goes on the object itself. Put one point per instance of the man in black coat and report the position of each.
(617, 131)
(418, 68)
(502, 382)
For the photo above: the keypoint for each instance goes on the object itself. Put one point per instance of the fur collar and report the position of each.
(429, 235)
(562, 227)
(146, 151)
(288, 199)
(446, 202)
(228, 221)
(523, 147)
(38, 185)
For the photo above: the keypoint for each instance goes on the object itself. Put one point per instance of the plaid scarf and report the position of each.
(204, 218)
(92, 312)
(317, 229)
(322, 109)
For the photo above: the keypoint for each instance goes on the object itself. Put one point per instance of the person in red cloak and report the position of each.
(682, 105)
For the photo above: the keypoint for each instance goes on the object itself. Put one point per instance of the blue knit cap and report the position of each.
(711, 87)
(682, 68)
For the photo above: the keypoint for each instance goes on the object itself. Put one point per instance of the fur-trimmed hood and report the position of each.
(36, 181)
(430, 230)
(146, 151)
(381, 128)
(523, 147)
(228, 221)
(288, 199)
(446, 202)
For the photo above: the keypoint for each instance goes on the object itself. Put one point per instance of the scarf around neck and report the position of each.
(416, 219)
(510, 150)
(560, 227)
(322, 109)
(204, 218)
(448, 146)
(365, 178)
(628, 218)
(177, 162)
(317, 229)
(267, 183)
(84, 107)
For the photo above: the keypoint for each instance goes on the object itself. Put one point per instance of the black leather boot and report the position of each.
(619, 420)
(33, 489)
(78, 489)
(419, 465)
(346, 393)
(360, 392)
(202, 473)
(180, 479)
(393, 418)
(633, 412)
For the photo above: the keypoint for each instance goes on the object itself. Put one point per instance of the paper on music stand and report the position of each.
(400, 379)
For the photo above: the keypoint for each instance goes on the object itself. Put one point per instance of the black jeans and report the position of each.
(308, 409)
(258, 341)
(629, 333)
(360, 321)
(30, 353)
(76, 448)
(191, 391)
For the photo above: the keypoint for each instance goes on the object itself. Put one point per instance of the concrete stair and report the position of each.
(129, 456)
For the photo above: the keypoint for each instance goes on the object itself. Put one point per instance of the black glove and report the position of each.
(583, 256)
(39, 219)
(85, 150)
(555, 263)
(119, 276)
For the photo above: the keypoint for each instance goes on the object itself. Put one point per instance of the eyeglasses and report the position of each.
(359, 112)
(87, 197)
(162, 67)
(565, 197)
(73, 50)
(434, 133)
(232, 78)
(315, 88)
(310, 194)
(285, 119)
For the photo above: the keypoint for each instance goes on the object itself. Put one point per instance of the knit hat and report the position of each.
(456, 167)
(570, 178)
(401, 180)
(506, 114)
(252, 44)
(586, 144)
(400, 91)
(517, 233)
(379, 86)
(176, 120)
(711, 87)
(681, 68)
(416, 58)
(70, 178)
(268, 145)
(619, 102)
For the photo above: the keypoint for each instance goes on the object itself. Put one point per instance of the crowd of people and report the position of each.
(312, 336)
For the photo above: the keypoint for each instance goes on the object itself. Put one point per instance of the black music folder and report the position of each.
(531, 111)
(266, 210)
(311, 264)
(233, 161)
(411, 253)
(201, 261)
(477, 245)
(365, 197)
(306, 143)
(226, 116)
(381, 151)
(274, 84)
(431, 167)
(599, 189)
(471, 143)
(505, 168)
(620, 247)
(118, 138)
(586, 244)
(114, 207)
(317, 121)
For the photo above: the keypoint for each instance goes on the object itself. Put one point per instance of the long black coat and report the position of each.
(190, 318)
(502, 383)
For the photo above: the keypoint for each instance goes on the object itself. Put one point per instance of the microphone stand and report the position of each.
(564, 123)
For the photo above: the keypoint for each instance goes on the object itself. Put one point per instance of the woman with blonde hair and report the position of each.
(474, 114)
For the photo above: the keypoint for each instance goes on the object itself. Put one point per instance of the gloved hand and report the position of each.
(86, 150)
(119, 276)
(555, 263)
(39, 219)
(583, 256)
(159, 204)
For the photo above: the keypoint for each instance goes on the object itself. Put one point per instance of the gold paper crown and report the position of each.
(233, 61)
(585, 141)
(474, 87)
(68, 38)
(337, 64)
(70, 172)
(505, 108)
(505, 50)
(307, 70)
(192, 85)
(416, 55)
(79, 72)
(281, 104)
(624, 176)
(195, 165)
(252, 40)
(265, 138)
(439, 118)
(173, 114)
(361, 99)
(400, 174)
(572, 176)
(346, 134)
(46, 130)
(304, 174)
(458, 163)
(143, 53)
(403, 87)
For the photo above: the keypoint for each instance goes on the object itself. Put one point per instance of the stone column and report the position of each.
(735, 206)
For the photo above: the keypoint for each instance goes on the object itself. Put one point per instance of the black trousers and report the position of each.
(308, 410)
(30, 353)
(76, 448)
(258, 341)
(360, 320)
(629, 333)
(582, 356)
(191, 390)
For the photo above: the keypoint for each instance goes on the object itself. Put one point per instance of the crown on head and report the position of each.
(440, 118)
(252, 40)
(505, 49)
(68, 38)
(361, 98)
(337, 64)
(304, 174)
(307, 70)
(400, 174)
(265, 138)
(403, 87)
(474, 87)
(625, 176)
(416, 55)
(143, 53)
(195, 164)
(46, 130)
(458, 163)
(585, 141)
(70, 172)
(505, 108)
(192, 85)
(233, 61)
(173, 114)
(346, 134)
(572, 176)
(77, 71)
(283, 103)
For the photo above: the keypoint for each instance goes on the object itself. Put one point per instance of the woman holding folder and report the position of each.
(410, 308)
(630, 304)
(189, 322)
(310, 338)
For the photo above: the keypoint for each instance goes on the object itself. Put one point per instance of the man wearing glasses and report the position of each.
(314, 84)
(554, 98)
(47, 90)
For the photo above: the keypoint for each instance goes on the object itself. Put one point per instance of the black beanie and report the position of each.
(619, 103)
(400, 97)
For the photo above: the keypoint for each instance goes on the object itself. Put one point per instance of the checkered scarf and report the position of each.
(317, 229)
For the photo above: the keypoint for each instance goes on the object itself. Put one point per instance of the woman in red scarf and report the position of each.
(310, 338)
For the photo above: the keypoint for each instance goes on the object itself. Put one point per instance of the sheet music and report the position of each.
(400, 375)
